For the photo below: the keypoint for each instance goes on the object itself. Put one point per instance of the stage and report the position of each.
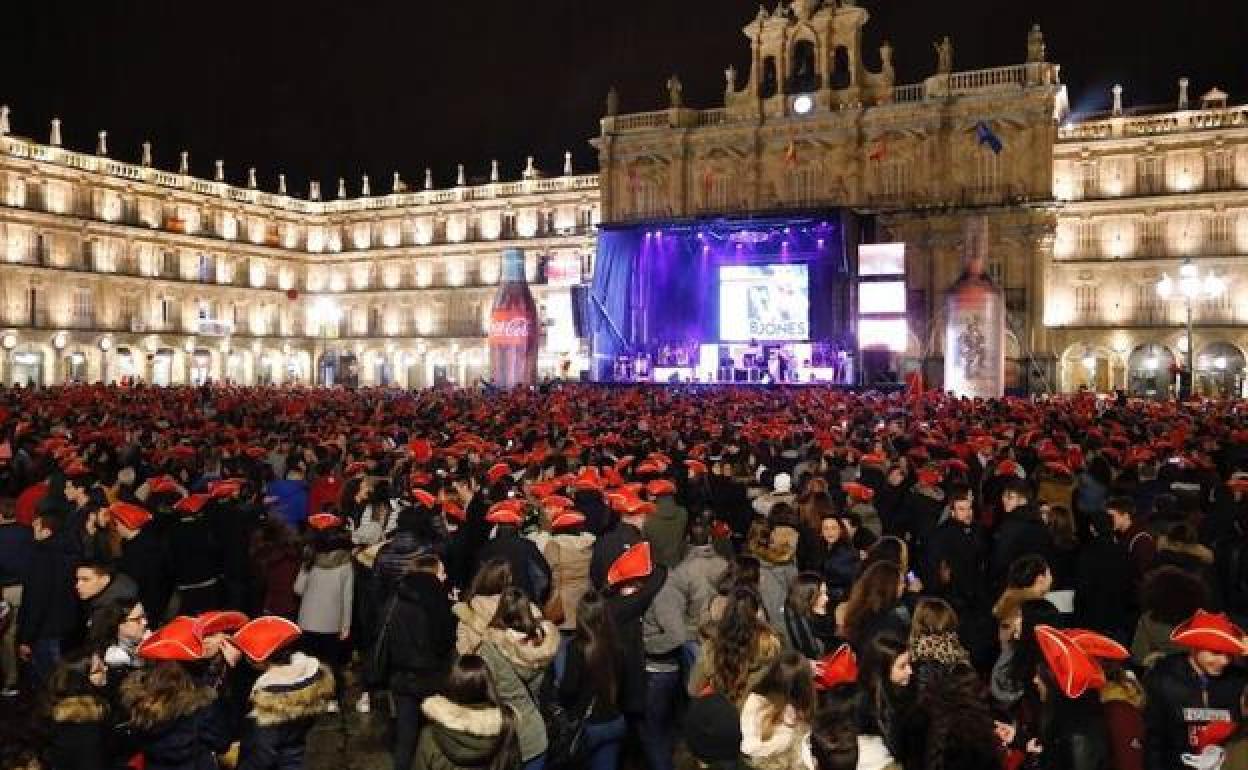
(749, 301)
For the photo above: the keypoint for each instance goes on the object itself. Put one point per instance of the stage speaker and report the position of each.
(580, 311)
(879, 367)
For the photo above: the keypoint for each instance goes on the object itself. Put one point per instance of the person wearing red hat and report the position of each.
(529, 570)
(568, 552)
(196, 559)
(326, 587)
(292, 690)
(665, 528)
(1190, 689)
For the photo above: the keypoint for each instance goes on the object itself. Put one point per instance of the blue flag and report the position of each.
(985, 136)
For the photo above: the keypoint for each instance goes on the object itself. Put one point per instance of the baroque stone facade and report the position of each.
(110, 269)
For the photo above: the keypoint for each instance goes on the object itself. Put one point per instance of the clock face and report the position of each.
(803, 104)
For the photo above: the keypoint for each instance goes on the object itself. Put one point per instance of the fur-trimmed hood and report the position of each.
(1191, 550)
(463, 735)
(148, 709)
(780, 548)
(486, 722)
(298, 690)
(525, 654)
(79, 710)
(477, 612)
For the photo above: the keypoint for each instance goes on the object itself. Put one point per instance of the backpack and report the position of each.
(565, 730)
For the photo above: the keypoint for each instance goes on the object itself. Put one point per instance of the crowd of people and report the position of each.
(602, 577)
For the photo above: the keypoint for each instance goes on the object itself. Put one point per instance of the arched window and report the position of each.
(803, 77)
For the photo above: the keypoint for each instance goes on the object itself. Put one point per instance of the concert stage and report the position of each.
(744, 301)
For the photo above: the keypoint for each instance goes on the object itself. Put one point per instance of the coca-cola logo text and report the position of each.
(514, 328)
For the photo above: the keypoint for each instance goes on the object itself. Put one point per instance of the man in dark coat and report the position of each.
(99, 586)
(529, 569)
(1022, 531)
(144, 558)
(1104, 599)
(626, 533)
(955, 568)
(415, 647)
(49, 611)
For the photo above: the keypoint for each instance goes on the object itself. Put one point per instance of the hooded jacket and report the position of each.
(665, 529)
(568, 557)
(474, 618)
(694, 582)
(183, 731)
(458, 737)
(518, 668)
(285, 701)
(776, 555)
(328, 589)
(78, 734)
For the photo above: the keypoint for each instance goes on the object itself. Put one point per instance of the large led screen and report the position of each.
(763, 302)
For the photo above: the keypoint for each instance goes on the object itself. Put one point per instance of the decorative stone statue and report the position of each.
(365, 187)
(886, 57)
(145, 157)
(281, 184)
(567, 164)
(428, 179)
(613, 102)
(4, 120)
(675, 93)
(1035, 45)
(944, 56)
(219, 174)
(396, 185)
(730, 77)
(494, 171)
(54, 136)
(251, 178)
(342, 188)
(184, 163)
(101, 144)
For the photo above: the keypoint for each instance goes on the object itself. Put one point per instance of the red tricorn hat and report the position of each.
(660, 488)
(130, 516)
(557, 502)
(1073, 669)
(76, 468)
(220, 622)
(696, 467)
(567, 520)
(225, 488)
(507, 512)
(649, 468)
(1061, 469)
(858, 491)
(1211, 632)
(424, 497)
(873, 458)
(191, 503)
(837, 668)
(322, 522)
(454, 511)
(929, 477)
(497, 472)
(162, 485)
(262, 637)
(632, 564)
(1096, 645)
(588, 479)
(421, 449)
(179, 640)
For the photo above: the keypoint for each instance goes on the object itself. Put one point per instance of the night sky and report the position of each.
(328, 89)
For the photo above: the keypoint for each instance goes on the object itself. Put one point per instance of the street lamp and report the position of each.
(1190, 286)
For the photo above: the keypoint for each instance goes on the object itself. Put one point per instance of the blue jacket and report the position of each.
(292, 500)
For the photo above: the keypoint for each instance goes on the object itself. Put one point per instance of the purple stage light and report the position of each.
(819, 243)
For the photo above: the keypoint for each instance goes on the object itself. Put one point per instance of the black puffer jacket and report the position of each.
(285, 701)
(415, 645)
(1179, 700)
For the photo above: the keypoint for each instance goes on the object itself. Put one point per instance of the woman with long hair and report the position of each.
(738, 651)
(176, 722)
(874, 606)
(591, 679)
(77, 714)
(518, 647)
(1064, 556)
(327, 588)
(480, 604)
(838, 558)
(118, 630)
(275, 565)
(776, 715)
(958, 730)
(744, 570)
(884, 674)
(468, 726)
(808, 626)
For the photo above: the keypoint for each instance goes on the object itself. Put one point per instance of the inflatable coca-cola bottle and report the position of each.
(514, 330)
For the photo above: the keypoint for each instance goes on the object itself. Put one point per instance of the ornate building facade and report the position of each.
(110, 269)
